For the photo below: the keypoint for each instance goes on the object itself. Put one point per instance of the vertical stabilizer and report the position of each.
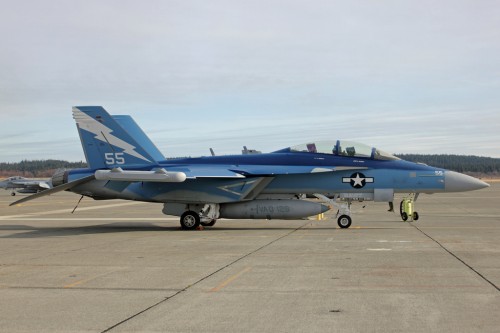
(107, 144)
(129, 125)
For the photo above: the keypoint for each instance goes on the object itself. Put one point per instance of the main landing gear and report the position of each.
(207, 217)
(406, 208)
(190, 220)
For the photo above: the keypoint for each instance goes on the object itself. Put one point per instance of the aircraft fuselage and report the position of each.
(294, 173)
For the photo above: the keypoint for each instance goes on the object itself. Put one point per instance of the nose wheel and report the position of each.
(406, 209)
(344, 221)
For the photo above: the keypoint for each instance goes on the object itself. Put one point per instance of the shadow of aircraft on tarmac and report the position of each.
(30, 231)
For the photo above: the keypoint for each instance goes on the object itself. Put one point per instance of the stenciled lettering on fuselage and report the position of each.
(358, 180)
(268, 209)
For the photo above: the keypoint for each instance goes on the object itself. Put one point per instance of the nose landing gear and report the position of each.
(344, 220)
(406, 208)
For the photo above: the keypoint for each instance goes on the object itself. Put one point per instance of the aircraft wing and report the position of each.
(56, 189)
(206, 171)
(243, 171)
(273, 170)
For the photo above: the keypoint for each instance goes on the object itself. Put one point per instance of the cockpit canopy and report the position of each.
(344, 148)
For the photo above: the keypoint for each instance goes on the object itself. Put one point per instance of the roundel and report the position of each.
(357, 180)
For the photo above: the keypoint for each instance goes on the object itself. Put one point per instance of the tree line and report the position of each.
(37, 168)
(460, 163)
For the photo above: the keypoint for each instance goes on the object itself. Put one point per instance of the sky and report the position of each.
(404, 76)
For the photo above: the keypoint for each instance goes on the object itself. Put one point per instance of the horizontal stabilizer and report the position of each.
(56, 189)
(158, 175)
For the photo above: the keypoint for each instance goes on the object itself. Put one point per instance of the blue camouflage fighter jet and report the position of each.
(123, 163)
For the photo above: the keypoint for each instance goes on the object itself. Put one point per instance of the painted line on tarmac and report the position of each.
(79, 282)
(92, 219)
(230, 279)
(68, 210)
(457, 227)
(462, 215)
(398, 241)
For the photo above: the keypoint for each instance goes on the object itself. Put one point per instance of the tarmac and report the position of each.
(118, 266)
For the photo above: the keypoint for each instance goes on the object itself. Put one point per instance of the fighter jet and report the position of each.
(25, 185)
(123, 163)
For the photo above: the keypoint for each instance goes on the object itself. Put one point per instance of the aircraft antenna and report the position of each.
(77, 204)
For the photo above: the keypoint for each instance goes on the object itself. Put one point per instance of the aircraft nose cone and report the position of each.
(458, 182)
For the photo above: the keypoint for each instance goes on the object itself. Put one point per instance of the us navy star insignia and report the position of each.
(358, 180)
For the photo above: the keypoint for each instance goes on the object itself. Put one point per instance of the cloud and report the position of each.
(225, 73)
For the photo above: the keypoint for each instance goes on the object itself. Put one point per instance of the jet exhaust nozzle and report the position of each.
(60, 177)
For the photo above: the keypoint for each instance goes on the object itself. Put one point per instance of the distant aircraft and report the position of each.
(25, 185)
(123, 163)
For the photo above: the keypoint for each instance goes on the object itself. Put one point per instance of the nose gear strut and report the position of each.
(344, 209)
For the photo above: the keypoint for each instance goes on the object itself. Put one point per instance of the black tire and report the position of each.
(13, 193)
(401, 208)
(404, 216)
(344, 221)
(208, 224)
(415, 216)
(190, 220)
